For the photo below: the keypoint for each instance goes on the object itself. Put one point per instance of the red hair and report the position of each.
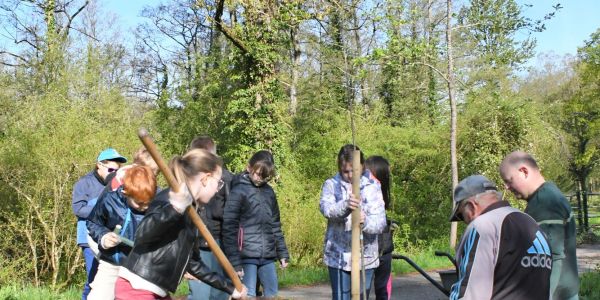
(139, 184)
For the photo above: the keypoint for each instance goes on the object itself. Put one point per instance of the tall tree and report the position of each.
(453, 113)
(581, 119)
(489, 32)
(411, 61)
(38, 31)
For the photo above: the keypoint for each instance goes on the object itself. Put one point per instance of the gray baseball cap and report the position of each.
(469, 187)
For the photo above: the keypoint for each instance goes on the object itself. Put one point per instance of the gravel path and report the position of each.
(415, 286)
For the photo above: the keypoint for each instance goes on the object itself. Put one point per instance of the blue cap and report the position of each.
(469, 187)
(111, 154)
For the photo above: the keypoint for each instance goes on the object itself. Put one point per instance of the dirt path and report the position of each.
(415, 286)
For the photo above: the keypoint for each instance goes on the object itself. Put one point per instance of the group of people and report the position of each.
(138, 242)
(508, 254)
(504, 253)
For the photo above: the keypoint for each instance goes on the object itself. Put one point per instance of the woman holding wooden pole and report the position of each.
(164, 244)
(337, 204)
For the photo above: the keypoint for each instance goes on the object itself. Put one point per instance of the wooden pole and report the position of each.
(174, 185)
(355, 272)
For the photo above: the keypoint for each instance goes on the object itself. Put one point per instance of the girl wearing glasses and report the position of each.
(165, 240)
(252, 235)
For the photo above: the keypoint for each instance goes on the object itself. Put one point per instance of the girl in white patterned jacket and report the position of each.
(337, 204)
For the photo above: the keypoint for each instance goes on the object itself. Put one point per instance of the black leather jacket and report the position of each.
(164, 249)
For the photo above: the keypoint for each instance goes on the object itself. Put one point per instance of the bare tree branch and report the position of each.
(21, 58)
(71, 17)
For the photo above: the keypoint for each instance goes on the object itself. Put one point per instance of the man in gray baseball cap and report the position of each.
(502, 254)
(470, 187)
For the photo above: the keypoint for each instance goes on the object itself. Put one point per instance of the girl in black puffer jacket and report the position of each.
(252, 236)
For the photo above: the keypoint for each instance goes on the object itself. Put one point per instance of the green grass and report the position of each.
(302, 276)
(14, 292)
(425, 259)
(589, 288)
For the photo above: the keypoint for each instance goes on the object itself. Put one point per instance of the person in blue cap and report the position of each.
(85, 193)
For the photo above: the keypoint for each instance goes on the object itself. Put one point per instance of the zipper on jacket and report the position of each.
(187, 260)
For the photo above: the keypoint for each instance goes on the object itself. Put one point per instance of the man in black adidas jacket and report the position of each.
(502, 254)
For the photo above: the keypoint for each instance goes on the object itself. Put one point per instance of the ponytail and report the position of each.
(194, 162)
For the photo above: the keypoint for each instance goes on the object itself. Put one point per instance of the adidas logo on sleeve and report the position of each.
(538, 255)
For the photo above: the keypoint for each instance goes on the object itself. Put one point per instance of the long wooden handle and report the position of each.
(355, 267)
(174, 185)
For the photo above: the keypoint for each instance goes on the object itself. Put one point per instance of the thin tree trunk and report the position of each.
(453, 129)
(295, 65)
(579, 208)
(431, 93)
(361, 92)
(586, 218)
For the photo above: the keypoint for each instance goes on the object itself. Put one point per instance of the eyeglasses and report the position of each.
(220, 183)
(110, 170)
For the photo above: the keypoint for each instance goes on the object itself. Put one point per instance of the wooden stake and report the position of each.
(356, 263)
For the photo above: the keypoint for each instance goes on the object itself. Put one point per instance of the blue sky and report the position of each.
(564, 33)
(572, 24)
(127, 10)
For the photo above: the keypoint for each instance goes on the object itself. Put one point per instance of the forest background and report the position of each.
(287, 76)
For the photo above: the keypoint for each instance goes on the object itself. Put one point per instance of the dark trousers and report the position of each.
(383, 280)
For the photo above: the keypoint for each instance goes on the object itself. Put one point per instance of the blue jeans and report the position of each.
(91, 266)
(200, 290)
(341, 283)
(268, 279)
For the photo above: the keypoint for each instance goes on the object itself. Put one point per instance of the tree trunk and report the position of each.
(579, 210)
(431, 93)
(586, 217)
(295, 65)
(450, 81)
(361, 93)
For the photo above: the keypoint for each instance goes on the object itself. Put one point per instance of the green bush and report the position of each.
(51, 138)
